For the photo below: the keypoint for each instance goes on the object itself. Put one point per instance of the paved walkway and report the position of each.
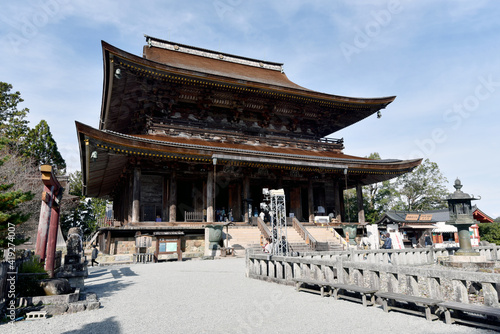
(214, 296)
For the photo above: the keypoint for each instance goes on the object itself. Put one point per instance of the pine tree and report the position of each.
(13, 123)
(41, 146)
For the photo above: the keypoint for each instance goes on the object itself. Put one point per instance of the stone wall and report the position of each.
(193, 244)
(123, 246)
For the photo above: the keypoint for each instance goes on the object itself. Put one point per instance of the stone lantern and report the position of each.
(459, 205)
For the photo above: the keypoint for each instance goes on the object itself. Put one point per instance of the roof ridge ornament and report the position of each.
(167, 45)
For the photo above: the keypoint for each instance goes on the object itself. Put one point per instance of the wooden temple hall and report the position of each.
(185, 133)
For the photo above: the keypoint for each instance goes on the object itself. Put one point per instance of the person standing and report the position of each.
(388, 242)
(427, 240)
(95, 252)
(365, 242)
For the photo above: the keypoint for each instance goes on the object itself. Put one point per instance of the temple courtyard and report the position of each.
(214, 296)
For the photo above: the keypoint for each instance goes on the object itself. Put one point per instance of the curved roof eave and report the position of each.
(139, 142)
(291, 88)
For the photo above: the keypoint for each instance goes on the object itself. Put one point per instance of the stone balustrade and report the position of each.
(410, 271)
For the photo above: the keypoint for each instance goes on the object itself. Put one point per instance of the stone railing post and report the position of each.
(392, 282)
(271, 268)
(430, 255)
(412, 285)
(263, 267)
(357, 277)
(340, 270)
(434, 286)
(279, 269)
(328, 272)
(460, 291)
(490, 295)
(373, 279)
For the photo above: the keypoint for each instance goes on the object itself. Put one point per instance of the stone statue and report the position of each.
(74, 241)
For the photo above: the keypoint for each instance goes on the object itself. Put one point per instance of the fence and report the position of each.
(193, 216)
(413, 276)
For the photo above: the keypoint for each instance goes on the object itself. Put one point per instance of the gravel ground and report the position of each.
(214, 296)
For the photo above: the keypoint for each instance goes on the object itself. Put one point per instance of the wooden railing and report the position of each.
(343, 242)
(437, 282)
(266, 232)
(308, 238)
(193, 216)
(107, 222)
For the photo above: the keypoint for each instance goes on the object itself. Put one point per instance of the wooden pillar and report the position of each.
(279, 181)
(336, 191)
(52, 239)
(210, 197)
(43, 225)
(246, 195)
(237, 208)
(136, 195)
(295, 202)
(204, 190)
(342, 204)
(359, 200)
(172, 213)
(49, 218)
(108, 242)
(165, 200)
(310, 200)
(130, 198)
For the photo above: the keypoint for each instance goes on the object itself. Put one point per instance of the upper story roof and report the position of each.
(171, 75)
(217, 63)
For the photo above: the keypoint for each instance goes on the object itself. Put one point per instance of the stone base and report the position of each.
(76, 282)
(60, 304)
(468, 262)
(467, 258)
(469, 253)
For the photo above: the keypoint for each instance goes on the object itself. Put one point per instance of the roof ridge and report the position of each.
(172, 46)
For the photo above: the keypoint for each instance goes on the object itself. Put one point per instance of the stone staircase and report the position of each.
(243, 237)
(327, 241)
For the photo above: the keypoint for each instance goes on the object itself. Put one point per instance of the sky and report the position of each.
(440, 58)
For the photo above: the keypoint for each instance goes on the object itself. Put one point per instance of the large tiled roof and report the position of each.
(221, 64)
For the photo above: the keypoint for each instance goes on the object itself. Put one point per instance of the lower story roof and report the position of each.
(105, 155)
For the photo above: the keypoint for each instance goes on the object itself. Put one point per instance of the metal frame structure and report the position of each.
(277, 212)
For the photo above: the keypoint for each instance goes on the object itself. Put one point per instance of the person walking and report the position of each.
(95, 252)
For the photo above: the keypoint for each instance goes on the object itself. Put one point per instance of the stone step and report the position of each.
(323, 234)
(251, 236)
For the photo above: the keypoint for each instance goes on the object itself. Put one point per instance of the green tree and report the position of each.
(13, 123)
(10, 215)
(490, 232)
(75, 184)
(88, 212)
(41, 146)
(422, 189)
(377, 198)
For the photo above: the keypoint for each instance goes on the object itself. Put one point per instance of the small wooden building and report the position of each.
(186, 133)
(414, 225)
